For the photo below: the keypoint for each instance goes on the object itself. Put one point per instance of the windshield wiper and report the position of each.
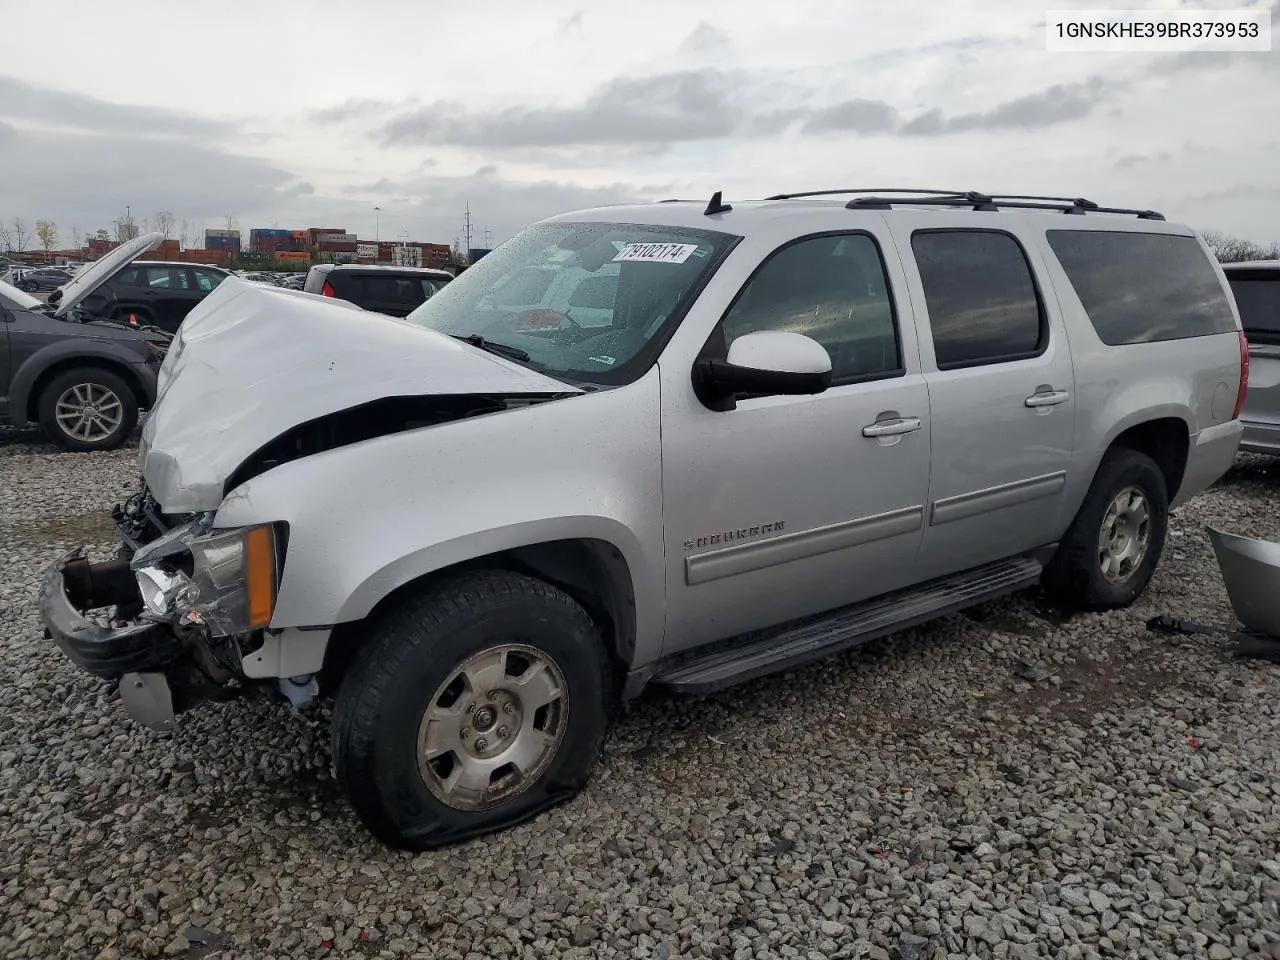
(501, 349)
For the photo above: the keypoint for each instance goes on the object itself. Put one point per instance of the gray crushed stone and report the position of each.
(917, 799)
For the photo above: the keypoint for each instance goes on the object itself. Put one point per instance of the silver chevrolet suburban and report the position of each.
(809, 421)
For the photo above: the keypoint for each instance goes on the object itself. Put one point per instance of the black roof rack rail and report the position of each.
(980, 201)
(831, 193)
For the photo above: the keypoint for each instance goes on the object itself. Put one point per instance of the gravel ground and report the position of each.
(915, 799)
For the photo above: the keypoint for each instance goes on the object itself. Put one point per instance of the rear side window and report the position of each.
(982, 299)
(1143, 287)
(1258, 300)
(392, 290)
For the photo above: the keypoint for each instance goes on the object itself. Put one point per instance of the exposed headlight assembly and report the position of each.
(224, 579)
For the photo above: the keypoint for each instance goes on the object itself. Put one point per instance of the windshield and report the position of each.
(16, 299)
(585, 301)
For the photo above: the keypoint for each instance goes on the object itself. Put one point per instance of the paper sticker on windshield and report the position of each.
(656, 252)
(607, 361)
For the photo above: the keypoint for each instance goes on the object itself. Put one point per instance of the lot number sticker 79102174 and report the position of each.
(656, 252)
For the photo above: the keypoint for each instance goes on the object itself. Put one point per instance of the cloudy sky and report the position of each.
(312, 114)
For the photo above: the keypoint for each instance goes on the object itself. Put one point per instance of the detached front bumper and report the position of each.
(138, 654)
(74, 584)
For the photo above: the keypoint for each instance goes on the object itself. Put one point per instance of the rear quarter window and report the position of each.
(391, 290)
(1258, 300)
(1143, 287)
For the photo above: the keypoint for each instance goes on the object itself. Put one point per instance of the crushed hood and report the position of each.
(250, 362)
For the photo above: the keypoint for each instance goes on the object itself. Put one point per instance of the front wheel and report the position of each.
(1111, 550)
(471, 709)
(88, 409)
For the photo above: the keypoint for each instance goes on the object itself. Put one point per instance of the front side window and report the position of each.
(430, 287)
(207, 280)
(520, 295)
(832, 288)
(1258, 300)
(981, 297)
(167, 278)
(1143, 287)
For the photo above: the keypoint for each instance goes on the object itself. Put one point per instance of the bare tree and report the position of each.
(76, 238)
(47, 234)
(184, 233)
(20, 234)
(6, 239)
(163, 223)
(1230, 249)
(457, 254)
(126, 227)
(232, 222)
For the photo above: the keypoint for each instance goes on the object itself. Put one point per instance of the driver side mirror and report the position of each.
(766, 363)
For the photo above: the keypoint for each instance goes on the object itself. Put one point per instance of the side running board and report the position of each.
(792, 644)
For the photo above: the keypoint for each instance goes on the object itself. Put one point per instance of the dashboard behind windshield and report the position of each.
(586, 301)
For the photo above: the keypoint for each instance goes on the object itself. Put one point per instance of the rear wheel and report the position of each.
(1112, 548)
(471, 709)
(88, 409)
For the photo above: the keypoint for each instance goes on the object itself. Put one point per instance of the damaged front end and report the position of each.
(185, 604)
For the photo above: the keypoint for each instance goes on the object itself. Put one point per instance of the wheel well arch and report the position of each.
(1166, 440)
(74, 362)
(593, 572)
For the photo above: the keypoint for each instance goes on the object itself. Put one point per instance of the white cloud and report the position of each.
(302, 118)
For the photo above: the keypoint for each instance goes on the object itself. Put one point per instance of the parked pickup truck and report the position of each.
(810, 421)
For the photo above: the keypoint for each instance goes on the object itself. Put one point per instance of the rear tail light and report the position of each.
(327, 290)
(1244, 376)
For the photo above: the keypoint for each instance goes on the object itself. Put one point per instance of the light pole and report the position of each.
(377, 224)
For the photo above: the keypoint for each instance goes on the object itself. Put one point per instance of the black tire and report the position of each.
(418, 646)
(89, 377)
(1074, 578)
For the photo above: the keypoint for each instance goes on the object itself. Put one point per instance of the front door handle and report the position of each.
(1050, 398)
(891, 428)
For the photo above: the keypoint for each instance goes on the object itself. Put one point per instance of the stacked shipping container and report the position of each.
(227, 241)
(274, 240)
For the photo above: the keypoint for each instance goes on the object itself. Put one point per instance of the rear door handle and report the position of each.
(891, 428)
(1049, 399)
